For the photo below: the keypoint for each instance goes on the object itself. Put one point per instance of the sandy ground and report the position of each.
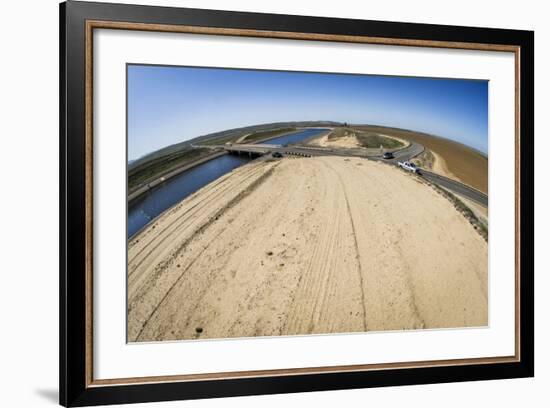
(481, 212)
(348, 142)
(306, 245)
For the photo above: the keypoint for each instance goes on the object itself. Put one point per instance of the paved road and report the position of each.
(401, 155)
(407, 153)
(457, 187)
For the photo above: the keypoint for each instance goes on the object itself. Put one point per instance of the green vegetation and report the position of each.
(425, 159)
(163, 161)
(465, 211)
(372, 140)
(339, 132)
(250, 138)
(369, 140)
(221, 140)
(156, 167)
(265, 134)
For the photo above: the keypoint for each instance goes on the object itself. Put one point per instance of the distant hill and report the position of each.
(223, 137)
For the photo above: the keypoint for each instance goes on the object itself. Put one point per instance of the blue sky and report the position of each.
(167, 105)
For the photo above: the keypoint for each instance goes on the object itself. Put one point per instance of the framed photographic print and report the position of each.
(255, 203)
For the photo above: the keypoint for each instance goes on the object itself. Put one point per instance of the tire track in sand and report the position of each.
(331, 271)
(360, 268)
(211, 195)
(137, 300)
(182, 230)
(186, 308)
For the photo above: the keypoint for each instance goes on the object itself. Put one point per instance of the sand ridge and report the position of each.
(349, 141)
(300, 246)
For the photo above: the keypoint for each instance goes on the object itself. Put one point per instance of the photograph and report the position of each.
(281, 203)
(256, 202)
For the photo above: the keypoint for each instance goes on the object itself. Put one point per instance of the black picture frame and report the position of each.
(75, 386)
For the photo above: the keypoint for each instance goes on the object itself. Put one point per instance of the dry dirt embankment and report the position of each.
(297, 246)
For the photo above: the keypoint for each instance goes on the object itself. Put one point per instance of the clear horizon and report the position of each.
(168, 105)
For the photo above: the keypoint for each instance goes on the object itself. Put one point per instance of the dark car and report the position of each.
(388, 155)
(276, 154)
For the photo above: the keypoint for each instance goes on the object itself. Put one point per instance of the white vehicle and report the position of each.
(407, 165)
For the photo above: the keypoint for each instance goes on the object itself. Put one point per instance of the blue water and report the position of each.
(153, 203)
(295, 137)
